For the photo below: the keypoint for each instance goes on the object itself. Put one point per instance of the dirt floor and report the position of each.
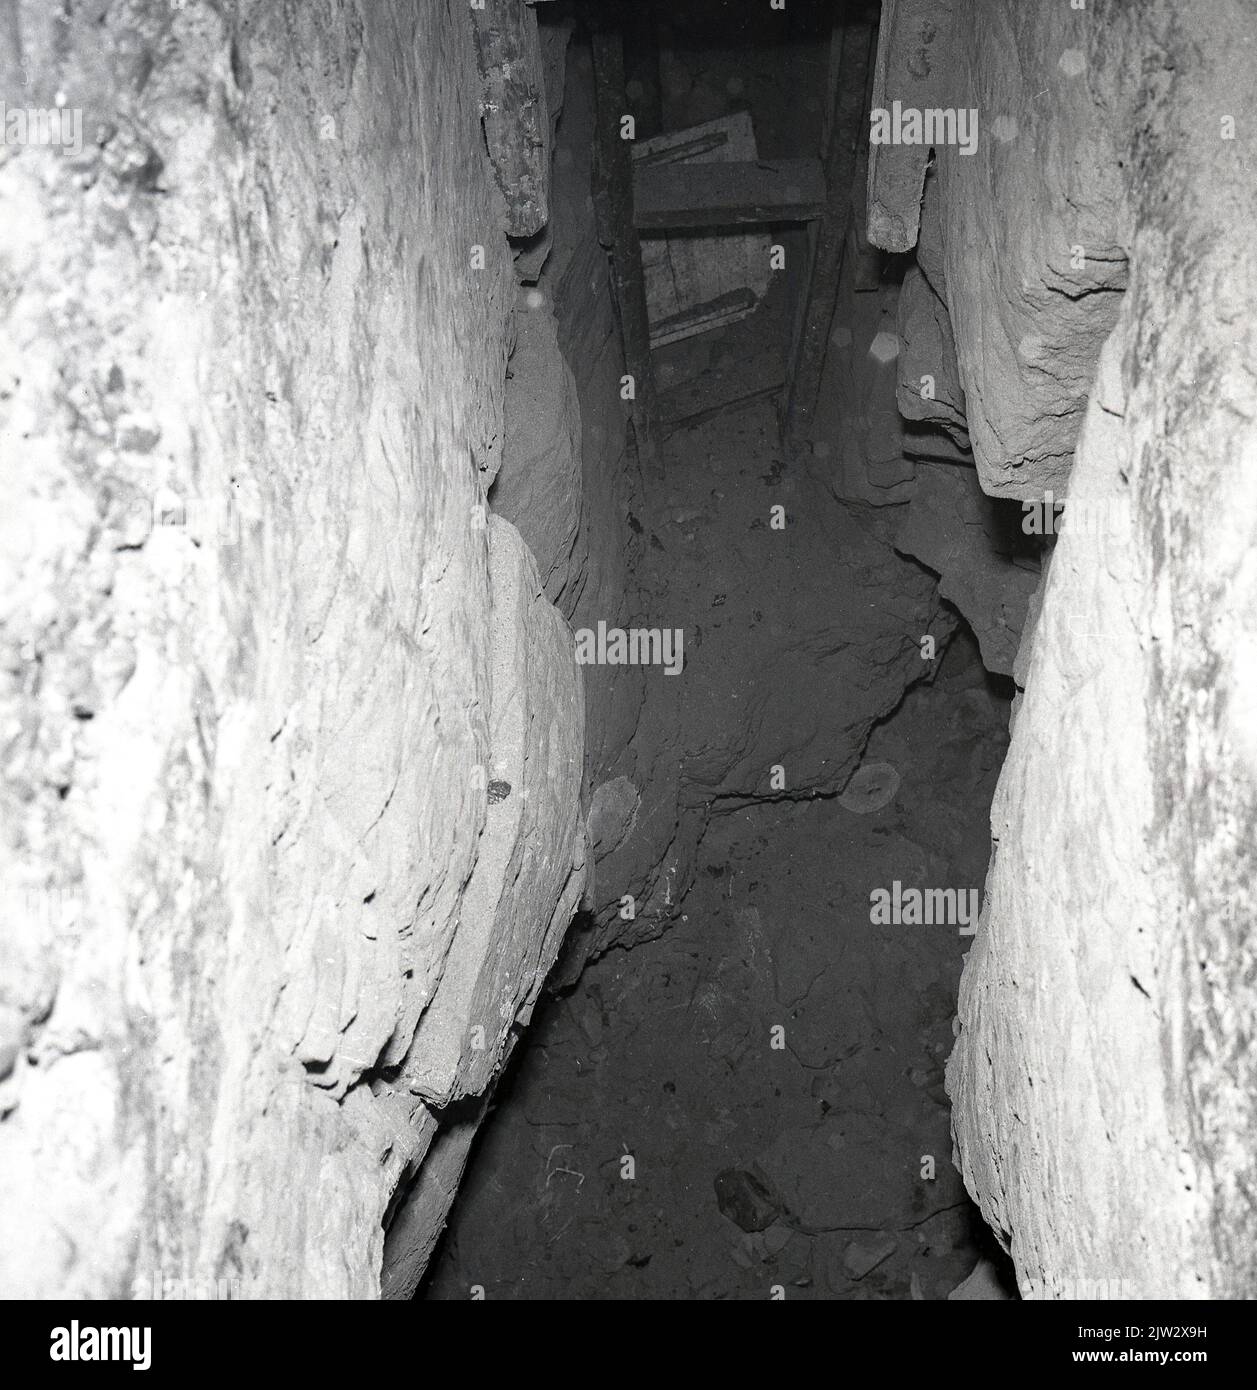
(657, 1138)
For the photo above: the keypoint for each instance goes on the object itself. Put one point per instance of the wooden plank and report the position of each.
(515, 111)
(700, 318)
(692, 266)
(667, 196)
(613, 208)
(849, 128)
(751, 365)
(708, 408)
(916, 66)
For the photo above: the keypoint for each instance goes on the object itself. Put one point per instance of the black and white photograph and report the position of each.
(628, 666)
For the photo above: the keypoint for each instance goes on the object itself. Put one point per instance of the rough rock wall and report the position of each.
(267, 668)
(1031, 223)
(578, 498)
(1102, 1083)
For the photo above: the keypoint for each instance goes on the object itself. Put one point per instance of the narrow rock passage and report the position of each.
(525, 524)
(754, 1100)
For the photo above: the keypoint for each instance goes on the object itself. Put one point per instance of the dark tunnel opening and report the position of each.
(744, 1091)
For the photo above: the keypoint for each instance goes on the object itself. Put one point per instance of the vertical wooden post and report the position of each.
(848, 128)
(613, 204)
(513, 108)
(641, 68)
